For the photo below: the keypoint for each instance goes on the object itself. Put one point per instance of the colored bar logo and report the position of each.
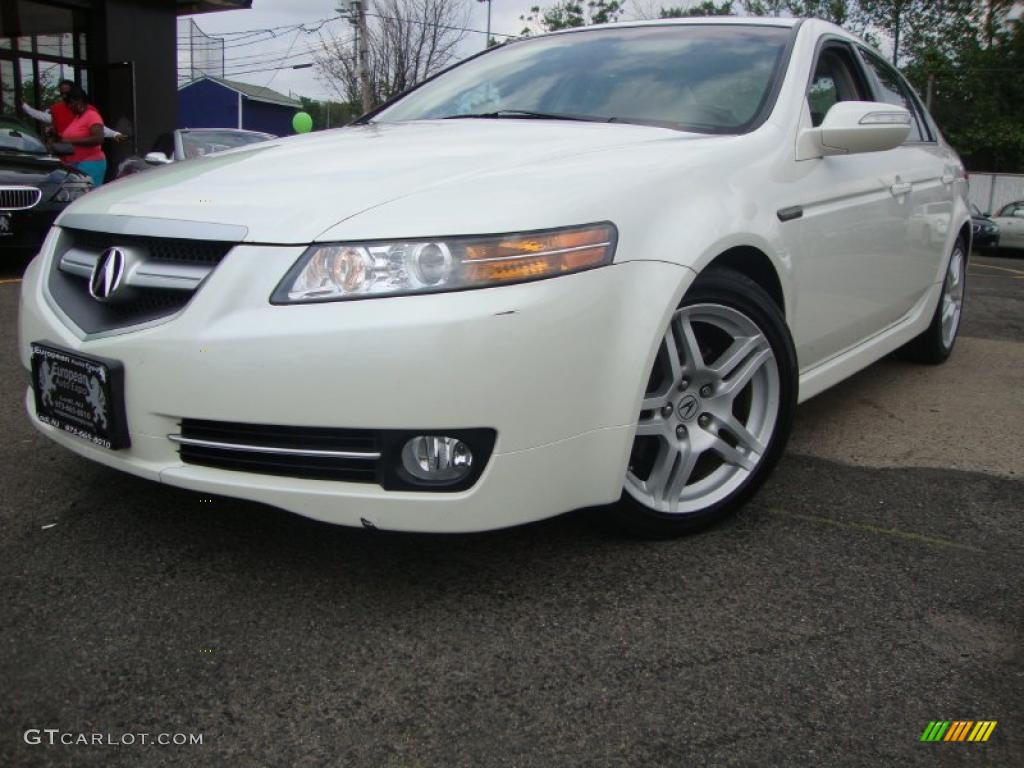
(958, 730)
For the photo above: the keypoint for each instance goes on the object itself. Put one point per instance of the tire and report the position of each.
(710, 430)
(936, 343)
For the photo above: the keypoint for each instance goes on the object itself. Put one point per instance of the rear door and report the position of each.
(928, 173)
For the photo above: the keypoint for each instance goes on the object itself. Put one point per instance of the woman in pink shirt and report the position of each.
(85, 134)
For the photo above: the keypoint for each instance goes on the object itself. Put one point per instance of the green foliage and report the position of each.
(978, 93)
(48, 93)
(340, 113)
(566, 14)
(707, 8)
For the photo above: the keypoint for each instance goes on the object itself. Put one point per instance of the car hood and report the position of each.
(295, 190)
(19, 168)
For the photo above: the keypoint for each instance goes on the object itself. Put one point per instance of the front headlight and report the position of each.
(336, 271)
(71, 191)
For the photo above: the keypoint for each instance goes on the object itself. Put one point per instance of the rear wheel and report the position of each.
(936, 343)
(717, 408)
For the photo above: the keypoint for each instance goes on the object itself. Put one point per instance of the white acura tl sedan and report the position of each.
(597, 268)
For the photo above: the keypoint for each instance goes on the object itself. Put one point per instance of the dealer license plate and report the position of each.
(83, 396)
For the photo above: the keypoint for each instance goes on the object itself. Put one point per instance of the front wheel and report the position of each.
(717, 409)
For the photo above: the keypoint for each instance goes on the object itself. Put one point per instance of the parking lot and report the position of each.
(874, 585)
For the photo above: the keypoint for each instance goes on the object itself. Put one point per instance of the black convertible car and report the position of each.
(35, 186)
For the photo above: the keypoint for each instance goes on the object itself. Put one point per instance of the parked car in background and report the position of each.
(35, 186)
(1010, 221)
(598, 267)
(985, 231)
(186, 143)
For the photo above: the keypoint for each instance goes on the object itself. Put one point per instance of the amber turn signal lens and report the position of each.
(528, 257)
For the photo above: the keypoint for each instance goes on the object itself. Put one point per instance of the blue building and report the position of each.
(213, 102)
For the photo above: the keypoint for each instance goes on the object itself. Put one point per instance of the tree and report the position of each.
(330, 114)
(706, 8)
(566, 14)
(408, 41)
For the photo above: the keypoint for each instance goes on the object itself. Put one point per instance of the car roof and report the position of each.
(738, 21)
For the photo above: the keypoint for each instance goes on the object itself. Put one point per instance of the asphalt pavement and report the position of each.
(872, 587)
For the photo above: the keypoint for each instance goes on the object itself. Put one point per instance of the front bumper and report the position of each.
(28, 228)
(557, 367)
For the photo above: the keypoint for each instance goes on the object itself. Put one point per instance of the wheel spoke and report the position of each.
(649, 427)
(691, 349)
(731, 455)
(743, 435)
(680, 475)
(737, 352)
(672, 350)
(745, 372)
(655, 401)
(948, 309)
(657, 481)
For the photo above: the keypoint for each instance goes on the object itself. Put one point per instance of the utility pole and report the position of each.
(930, 91)
(357, 17)
(486, 42)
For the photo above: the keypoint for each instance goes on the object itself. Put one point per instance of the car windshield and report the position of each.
(198, 143)
(704, 78)
(14, 137)
(976, 211)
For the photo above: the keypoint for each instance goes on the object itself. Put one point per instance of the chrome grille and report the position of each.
(19, 198)
(162, 277)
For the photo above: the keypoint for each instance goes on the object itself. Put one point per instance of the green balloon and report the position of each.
(302, 122)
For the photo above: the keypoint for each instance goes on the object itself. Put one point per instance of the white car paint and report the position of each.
(557, 367)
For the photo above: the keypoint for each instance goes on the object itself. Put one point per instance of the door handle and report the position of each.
(901, 188)
(948, 178)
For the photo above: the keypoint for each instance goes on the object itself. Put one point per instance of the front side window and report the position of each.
(894, 91)
(706, 78)
(836, 78)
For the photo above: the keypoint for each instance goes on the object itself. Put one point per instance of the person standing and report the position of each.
(60, 115)
(85, 134)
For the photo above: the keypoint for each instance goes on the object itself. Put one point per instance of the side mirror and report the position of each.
(157, 158)
(62, 148)
(851, 127)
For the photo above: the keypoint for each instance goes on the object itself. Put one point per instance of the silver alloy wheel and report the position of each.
(709, 411)
(953, 296)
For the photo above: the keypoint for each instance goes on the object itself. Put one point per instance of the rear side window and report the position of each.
(837, 77)
(893, 90)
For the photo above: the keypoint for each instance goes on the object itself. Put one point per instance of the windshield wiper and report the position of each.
(530, 115)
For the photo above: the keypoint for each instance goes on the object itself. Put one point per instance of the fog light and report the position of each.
(437, 458)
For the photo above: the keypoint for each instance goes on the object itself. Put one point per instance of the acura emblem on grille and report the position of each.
(107, 274)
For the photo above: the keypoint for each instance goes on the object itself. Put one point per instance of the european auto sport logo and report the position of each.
(958, 730)
(94, 395)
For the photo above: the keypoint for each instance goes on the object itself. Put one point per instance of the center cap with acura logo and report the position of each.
(687, 408)
(108, 274)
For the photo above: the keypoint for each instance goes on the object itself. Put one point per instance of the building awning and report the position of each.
(186, 7)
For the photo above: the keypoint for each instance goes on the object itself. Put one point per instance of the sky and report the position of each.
(243, 54)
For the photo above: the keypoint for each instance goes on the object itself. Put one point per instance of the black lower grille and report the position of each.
(316, 468)
(237, 442)
(322, 453)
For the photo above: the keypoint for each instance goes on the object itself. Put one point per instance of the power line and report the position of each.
(438, 26)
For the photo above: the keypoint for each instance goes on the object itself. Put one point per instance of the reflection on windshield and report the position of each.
(15, 138)
(709, 78)
(199, 143)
